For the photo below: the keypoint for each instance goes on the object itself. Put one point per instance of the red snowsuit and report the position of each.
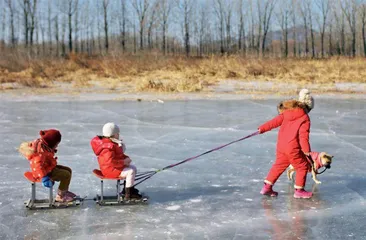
(110, 156)
(292, 143)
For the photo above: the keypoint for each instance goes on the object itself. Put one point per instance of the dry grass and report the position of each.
(175, 74)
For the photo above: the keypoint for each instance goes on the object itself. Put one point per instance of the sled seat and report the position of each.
(100, 175)
(33, 202)
(29, 176)
(108, 200)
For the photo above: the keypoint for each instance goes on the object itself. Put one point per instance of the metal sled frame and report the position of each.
(108, 200)
(34, 203)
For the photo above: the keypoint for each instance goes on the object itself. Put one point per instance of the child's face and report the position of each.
(55, 147)
(116, 136)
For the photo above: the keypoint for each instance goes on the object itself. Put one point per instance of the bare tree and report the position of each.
(349, 9)
(304, 14)
(283, 16)
(220, 13)
(202, 25)
(12, 29)
(25, 6)
(340, 28)
(363, 21)
(69, 7)
(57, 36)
(141, 7)
(41, 28)
(122, 23)
(307, 8)
(32, 9)
(324, 6)
(3, 27)
(228, 16)
(266, 20)
(165, 8)
(241, 27)
(63, 36)
(330, 34)
(76, 24)
(186, 7)
(152, 22)
(105, 14)
(294, 9)
(49, 20)
(252, 37)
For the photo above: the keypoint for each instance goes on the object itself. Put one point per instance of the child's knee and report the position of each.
(67, 175)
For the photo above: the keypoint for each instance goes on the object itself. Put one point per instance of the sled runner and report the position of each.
(34, 203)
(115, 199)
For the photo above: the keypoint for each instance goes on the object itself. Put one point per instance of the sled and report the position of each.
(33, 203)
(117, 199)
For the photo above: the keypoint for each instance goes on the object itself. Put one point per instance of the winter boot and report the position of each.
(301, 193)
(63, 197)
(133, 190)
(130, 195)
(267, 190)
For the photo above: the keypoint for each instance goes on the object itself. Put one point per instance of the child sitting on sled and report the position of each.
(112, 160)
(43, 163)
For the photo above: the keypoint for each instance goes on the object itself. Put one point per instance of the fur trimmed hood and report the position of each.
(290, 105)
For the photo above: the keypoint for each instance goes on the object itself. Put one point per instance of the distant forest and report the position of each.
(192, 28)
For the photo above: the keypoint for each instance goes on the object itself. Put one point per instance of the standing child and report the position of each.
(43, 163)
(293, 145)
(112, 159)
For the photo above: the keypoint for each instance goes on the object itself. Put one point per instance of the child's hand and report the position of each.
(47, 182)
(127, 162)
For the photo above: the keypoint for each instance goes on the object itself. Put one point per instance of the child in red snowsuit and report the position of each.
(43, 163)
(112, 159)
(292, 145)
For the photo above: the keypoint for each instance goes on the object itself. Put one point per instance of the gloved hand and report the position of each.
(47, 182)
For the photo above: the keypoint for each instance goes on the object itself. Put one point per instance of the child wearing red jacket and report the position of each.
(43, 163)
(112, 160)
(292, 144)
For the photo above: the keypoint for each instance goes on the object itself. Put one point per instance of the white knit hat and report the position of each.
(306, 98)
(110, 129)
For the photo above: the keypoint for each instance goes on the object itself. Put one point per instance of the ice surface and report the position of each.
(213, 197)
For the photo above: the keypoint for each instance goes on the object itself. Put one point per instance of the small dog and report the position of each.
(322, 159)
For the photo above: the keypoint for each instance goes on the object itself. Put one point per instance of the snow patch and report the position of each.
(173, 208)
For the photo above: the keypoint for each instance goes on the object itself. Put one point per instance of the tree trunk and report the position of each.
(105, 10)
(26, 8)
(57, 37)
(49, 28)
(123, 11)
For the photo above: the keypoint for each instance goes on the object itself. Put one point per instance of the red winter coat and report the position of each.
(110, 156)
(43, 160)
(293, 135)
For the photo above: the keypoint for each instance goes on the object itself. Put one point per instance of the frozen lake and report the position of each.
(212, 197)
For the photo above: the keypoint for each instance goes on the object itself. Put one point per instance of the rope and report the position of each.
(146, 175)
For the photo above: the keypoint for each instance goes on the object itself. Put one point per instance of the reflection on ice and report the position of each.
(213, 197)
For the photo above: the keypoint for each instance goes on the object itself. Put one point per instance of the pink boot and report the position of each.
(267, 190)
(63, 197)
(71, 194)
(301, 193)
